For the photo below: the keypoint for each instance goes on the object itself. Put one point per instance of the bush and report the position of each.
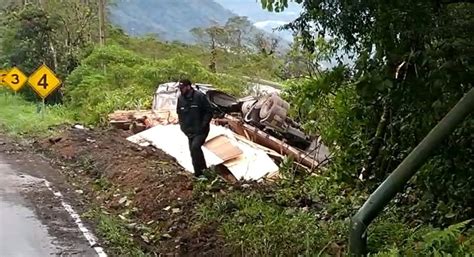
(456, 240)
(113, 78)
(371, 135)
(300, 215)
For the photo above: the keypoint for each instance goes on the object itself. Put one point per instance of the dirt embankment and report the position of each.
(141, 185)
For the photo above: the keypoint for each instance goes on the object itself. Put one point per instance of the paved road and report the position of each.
(33, 221)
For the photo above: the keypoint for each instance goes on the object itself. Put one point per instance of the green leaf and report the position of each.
(450, 215)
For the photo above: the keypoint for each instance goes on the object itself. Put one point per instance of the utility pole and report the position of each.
(42, 4)
(102, 22)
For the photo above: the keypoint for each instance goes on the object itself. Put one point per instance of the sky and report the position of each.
(262, 18)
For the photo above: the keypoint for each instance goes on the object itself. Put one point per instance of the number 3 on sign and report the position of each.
(15, 79)
(44, 81)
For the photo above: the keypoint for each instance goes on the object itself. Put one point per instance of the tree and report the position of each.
(238, 29)
(413, 62)
(102, 21)
(26, 38)
(264, 44)
(214, 37)
(53, 32)
(299, 62)
(77, 29)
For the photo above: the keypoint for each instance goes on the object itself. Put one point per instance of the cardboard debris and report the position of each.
(250, 164)
(223, 148)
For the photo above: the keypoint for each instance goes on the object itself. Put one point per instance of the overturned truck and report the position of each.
(249, 136)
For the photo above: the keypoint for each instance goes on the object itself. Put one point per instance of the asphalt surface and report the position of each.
(33, 220)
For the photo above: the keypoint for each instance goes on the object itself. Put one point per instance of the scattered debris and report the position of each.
(90, 140)
(248, 139)
(145, 238)
(250, 163)
(166, 236)
(78, 126)
(141, 120)
(54, 140)
(123, 200)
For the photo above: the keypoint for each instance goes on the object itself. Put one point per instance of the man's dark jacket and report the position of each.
(194, 113)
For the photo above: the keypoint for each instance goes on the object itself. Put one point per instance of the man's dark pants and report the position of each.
(195, 143)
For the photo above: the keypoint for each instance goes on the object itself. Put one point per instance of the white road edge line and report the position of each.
(87, 234)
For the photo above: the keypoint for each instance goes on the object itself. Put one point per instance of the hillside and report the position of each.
(168, 19)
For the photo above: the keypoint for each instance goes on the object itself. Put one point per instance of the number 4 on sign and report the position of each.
(44, 81)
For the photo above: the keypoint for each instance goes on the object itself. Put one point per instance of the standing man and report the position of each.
(194, 114)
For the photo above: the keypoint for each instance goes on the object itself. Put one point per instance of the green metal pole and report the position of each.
(400, 176)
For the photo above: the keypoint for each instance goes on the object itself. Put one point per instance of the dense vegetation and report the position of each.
(411, 63)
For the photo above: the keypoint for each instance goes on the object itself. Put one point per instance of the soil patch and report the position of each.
(142, 185)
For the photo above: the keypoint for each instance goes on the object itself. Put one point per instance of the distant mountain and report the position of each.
(172, 20)
(168, 19)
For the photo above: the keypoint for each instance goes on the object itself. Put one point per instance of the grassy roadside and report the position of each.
(310, 216)
(298, 216)
(19, 117)
(114, 232)
(22, 119)
(304, 216)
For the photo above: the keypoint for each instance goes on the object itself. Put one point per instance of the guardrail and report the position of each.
(400, 176)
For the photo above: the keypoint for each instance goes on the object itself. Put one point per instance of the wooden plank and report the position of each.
(123, 119)
(262, 138)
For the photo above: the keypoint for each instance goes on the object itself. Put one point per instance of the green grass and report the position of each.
(19, 117)
(114, 231)
(276, 222)
(254, 227)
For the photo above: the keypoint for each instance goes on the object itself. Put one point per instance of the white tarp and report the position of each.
(252, 164)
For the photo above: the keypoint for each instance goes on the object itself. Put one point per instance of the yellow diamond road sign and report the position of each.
(3, 73)
(15, 79)
(44, 81)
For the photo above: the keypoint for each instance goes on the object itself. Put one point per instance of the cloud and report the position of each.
(269, 24)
